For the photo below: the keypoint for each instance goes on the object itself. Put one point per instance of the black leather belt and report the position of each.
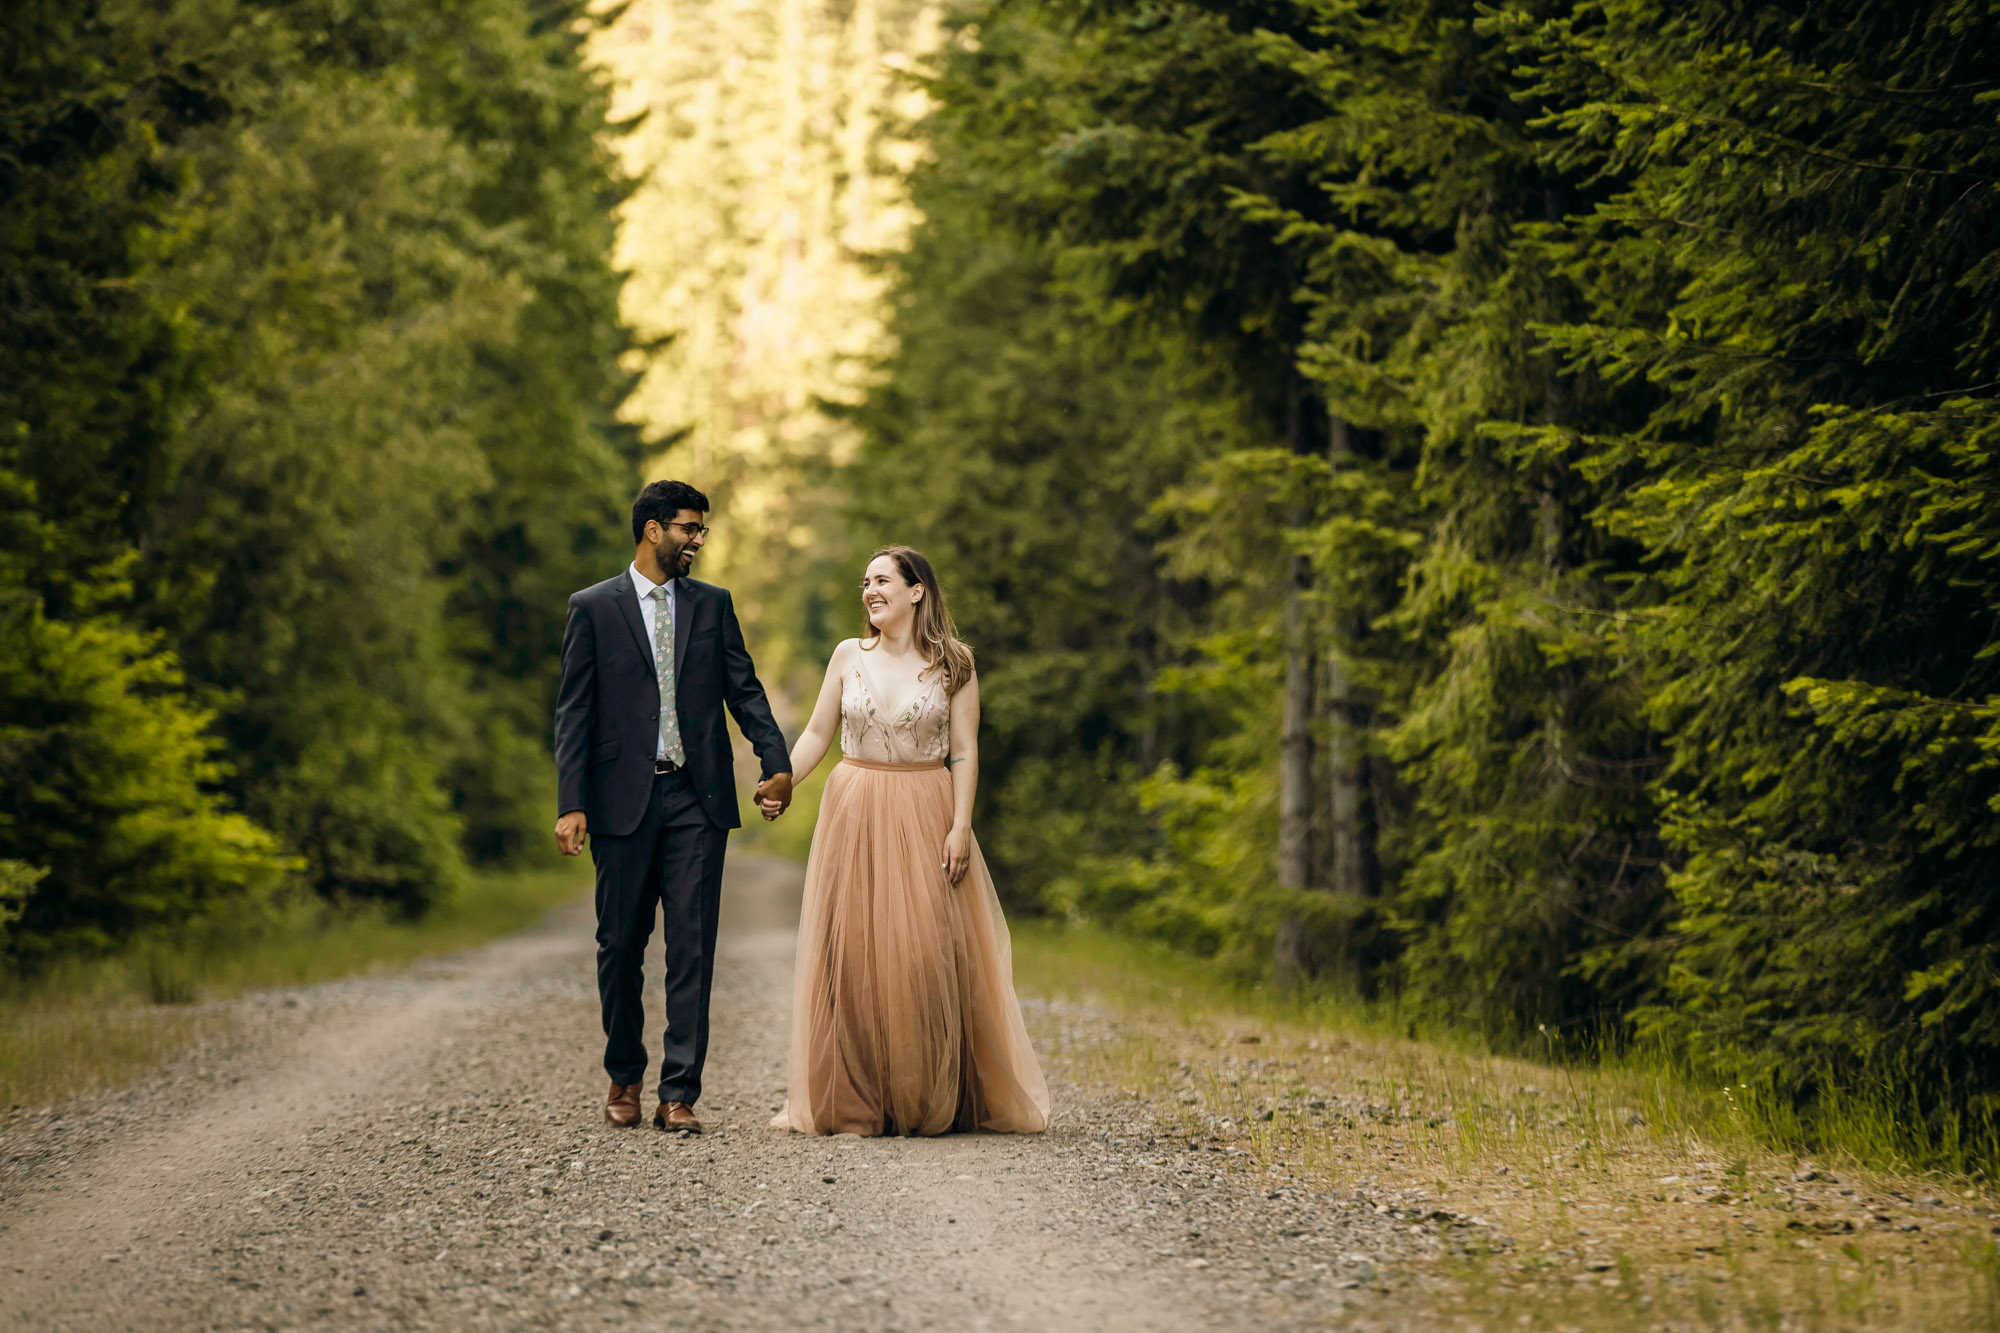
(666, 766)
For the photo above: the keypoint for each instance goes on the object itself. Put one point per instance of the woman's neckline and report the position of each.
(868, 683)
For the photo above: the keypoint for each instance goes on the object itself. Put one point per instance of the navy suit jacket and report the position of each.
(608, 706)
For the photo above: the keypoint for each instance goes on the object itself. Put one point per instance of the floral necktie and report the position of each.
(663, 656)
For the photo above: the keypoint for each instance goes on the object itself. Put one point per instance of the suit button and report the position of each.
(654, 715)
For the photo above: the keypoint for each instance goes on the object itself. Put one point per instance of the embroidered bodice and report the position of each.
(917, 733)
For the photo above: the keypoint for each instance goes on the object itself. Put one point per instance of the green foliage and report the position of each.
(316, 341)
(770, 143)
(17, 880)
(1202, 178)
(1518, 831)
(1014, 441)
(106, 775)
(1817, 499)
(1649, 531)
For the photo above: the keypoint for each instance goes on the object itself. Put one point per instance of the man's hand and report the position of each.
(569, 833)
(774, 794)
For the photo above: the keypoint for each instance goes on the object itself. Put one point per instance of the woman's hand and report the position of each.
(957, 852)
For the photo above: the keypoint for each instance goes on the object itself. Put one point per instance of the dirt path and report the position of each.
(425, 1149)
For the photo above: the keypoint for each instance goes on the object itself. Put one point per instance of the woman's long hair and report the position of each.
(936, 637)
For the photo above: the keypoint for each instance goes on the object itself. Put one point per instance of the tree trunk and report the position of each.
(1295, 747)
(1350, 834)
(1147, 653)
(1350, 859)
(1291, 961)
(1295, 796)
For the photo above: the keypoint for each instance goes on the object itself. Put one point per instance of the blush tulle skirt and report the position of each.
(904, 1018)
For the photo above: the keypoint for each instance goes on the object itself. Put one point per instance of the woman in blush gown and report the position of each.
(904, 1019)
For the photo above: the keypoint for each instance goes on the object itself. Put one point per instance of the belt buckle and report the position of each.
(663, 766)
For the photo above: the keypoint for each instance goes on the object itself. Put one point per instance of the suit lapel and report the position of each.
(683, 614)
(627, 598)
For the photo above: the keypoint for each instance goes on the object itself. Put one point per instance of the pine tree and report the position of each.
(312, 349)
(770, 150)
(1815, 187)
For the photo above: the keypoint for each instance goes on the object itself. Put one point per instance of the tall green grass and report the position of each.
(1335, 1090)
(84, 1024)
(1876, 1125)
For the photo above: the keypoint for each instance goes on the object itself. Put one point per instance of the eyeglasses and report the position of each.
(693, 530)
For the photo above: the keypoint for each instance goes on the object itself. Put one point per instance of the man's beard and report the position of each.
(673, 564)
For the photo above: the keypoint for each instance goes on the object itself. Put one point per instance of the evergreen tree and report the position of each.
(771, 144)
(108, 820)
(1814, 187)
(1519, 822)
(1648, 541)
(317, 352)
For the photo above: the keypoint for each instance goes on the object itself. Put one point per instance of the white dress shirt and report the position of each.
(649, 605)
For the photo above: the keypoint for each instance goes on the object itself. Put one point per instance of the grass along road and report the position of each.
(1616, 1198)
(100, 1023)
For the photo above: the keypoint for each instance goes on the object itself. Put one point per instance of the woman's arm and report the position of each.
(964, 763)
(817, 738)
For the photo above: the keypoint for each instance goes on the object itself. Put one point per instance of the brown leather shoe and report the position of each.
(621, 1108)
(676, 1118)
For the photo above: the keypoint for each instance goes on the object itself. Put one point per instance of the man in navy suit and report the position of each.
(650, 659)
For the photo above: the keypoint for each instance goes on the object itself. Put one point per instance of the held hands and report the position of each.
(957, 852)
(570, 831)
(774, 794)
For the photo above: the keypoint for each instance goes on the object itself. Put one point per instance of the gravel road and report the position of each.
(425, 1149)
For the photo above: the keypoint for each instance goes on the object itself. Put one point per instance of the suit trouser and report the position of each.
(671, 862)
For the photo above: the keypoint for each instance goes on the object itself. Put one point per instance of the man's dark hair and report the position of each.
(660, 501)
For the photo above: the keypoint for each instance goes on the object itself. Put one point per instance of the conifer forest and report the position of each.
(1493, 507)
